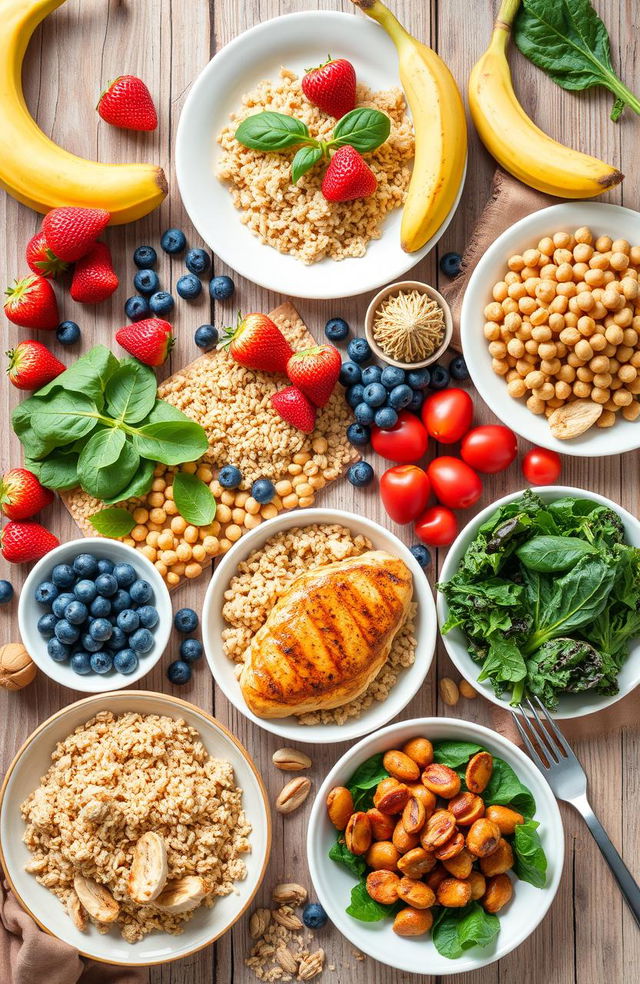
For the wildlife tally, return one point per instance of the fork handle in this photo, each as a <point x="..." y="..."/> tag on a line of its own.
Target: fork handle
<point x="628" y="885"/>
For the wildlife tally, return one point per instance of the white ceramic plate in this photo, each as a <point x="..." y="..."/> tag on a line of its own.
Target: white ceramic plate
<point x="602" y="219"/>
<point x="571" y="705"/>
<point x="409" y="680"/>
<point x="207" y="925"/>
<point x="29" y="611"/>
<point x="297" y="41"/>
<point x="333" y="883"/>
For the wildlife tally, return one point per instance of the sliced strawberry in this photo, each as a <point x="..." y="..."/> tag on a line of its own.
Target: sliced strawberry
<point x="72" y="231"/>
<point x="295" y="408"/>
<point x="32" y="365"/>
<point x="94" y="278"/>
<point x="331" y="87"/>
<point x="22" y="543"/>
<point x="149" y="340"/>
<point x="127" y="103"/>
<point x="22" y="495"/>
<point x="348" y="177"/>
<point x="32" y="303"/>
<point x="315" y="371"/>
<point x="41" y="258"/>
<point x="257" y="343"/>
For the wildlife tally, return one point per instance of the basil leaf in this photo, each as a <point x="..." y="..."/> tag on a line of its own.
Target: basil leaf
<point x="88" y="375"/>
<point x="550" y="554"/>
<point x="114" y="523"/>
<point x="505" y="789"/>
<point x="131" y="392"/>
<point x="194" y="499"/>
<point x="366" y="909"/>
<point x="454" y="753"/>
<point x="58" y="471"/>
<point x="64" y="417"/>
<point x="530" y="859"/>
<point x="139" y="485"/>
<point x="341" y="854"/>
<point x="107" y="463"/>
<point x="171" y="442"/>
<point x="365" y="129"/>
<point x="304" y="160"/>
<point x="457" y="930"/>
<point x="271" y="131"/>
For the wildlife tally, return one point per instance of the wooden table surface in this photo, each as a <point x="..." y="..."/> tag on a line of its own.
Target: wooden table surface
<point x="588" y="936"/>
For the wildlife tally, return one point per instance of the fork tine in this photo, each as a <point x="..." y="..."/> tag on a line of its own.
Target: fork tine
<point x="543" y="736"/>
<point x="530" y="748"/>
<point x="556" y="730"/>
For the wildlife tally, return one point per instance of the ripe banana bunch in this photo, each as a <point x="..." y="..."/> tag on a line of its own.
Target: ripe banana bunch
<point x="440" y="131"/>
<point x="37" y="171"/>
<point x="512" y="137"/>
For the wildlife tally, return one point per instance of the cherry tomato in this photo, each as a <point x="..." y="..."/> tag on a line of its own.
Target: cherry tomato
<point x="447" y="415"/>
<point x="437" y="527"/>
<point x="490" y="448"/>
<point x="405" y="491"/>
<point x="405" y="443"/>
<point x="541" y="467"/>
<point x="454" y="484"/>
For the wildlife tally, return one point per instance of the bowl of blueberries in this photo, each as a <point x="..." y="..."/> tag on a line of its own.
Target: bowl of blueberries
<point x="95" y="615"/>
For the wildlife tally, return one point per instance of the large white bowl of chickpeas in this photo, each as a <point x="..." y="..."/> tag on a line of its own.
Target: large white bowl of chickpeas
<point x="550" y="328"/>
<point x="420" y="863"/>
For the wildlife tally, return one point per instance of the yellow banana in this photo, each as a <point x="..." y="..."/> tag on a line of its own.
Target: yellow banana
<point x="37" y="171"/>
<point x="512" y="137"/>
<point x="440" y="131"/>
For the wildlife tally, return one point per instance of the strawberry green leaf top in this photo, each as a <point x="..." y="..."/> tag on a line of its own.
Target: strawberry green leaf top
<point x="331" y="86"/>
<point x="31" y="303"/>
<point x="315" y="371"/>
<point x="257" y="343"/>
<point x="126" y="103"/>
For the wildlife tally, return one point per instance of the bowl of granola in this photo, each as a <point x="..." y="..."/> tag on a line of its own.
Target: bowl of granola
<point x="147" y="835"/>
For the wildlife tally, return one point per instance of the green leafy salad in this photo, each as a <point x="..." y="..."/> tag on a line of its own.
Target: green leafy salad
<point x="548" y="598"/>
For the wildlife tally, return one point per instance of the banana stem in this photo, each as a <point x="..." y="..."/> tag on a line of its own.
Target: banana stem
<point x="504" y="23"/>
<point x="378" y="12"/>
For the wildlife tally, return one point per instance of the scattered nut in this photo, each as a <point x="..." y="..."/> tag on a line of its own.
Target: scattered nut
<point x="288" y="892"/>
<point x="286" y="959"/>
<point x="467" y="690"/>
<point x="291" y="760"/>
<point x="259" y="923"/>
<point x="449" y="691"/>
<point x="17" y="669"/>
<point x="286" y="917"/>
<point x="293" y="795"/>
<point x="574" y="419"/>
<point x="311" y="966"/>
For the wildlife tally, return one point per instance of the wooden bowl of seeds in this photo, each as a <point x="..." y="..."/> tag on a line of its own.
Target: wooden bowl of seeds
<point x="408" y="324"/>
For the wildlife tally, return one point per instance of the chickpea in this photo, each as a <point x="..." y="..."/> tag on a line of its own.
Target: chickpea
<point x="466" y="808"/>
<point x="479" y="771"/>
<point x="516" y="388"/>
<point x="494" y="312"/>
<point x="414" y="816"/>
<point x="545" y="392"/>
<point x="516" y="348"/>
<point x="509" y="306"/>
<point x="453" y="847"/>
<point x="382" y="825"/>
<point x="516" y="289"/>
<point x="454" y="893"/>
<point x="581" y="390"/>
<point x="491" y="333"/>
<point x="420" y="750"/>
<point x="550" y="366"/>
<point x="357" y="833"/>
<point x="440" y="827"/>
<point x="585" y="374"/>
<point x="562" y="390"/>
<point x="412" y="922"/>
<point x="498" y="892"/>
<point x="417" y="862"/>
<point x="535" y="405"/>
<point x="582" y="252"/>
<point x="483" y="837"/>
<point x="630" y="337"/>
<point x="461" y="865"/>
<point x="627" y="373"/>
<point x="500" y="861"/>
<point x="539" y="317"/>
<point x="506" y="819"/>
<point x="441" y="780"/>
<point x="478" y="885"/>
<point x="619" y="261"/>
<point x="547" y="350"/>
<point x="527" y="305"/>
<point x="426" y="797"/>
<point x="402" y="840"/>
<point x="497" y="350"/>
<point x="139" y="533"/>
<point x="567" y="374"/>
<point x="559" y="304"/>
<point x="390" y="796"/>
<point x="546" y="291"/>
<point x="400" y="766"/>
<point x="382" y="886"/>
<point x="534" y="380"/>
<point x="594" y="277"/>
<point x="622" y="398"/>
<point x="631" y="411"/>
<point x="233" y="532"/>
<point x="598" y="342"/>
<point x="383" y="856"/>
<point x="415" y="893"/>
<point x="634" y="255"/>
<point x="556" y="323"/>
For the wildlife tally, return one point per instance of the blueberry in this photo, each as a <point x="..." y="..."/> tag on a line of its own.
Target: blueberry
<point x="336" y="329"/>
<point x="146" y="282"/>
<point x="350" y="373"/>
<point x="360" y="474"/>
<point x="6" y="592"/>
<point x="120" y="601"/>
<point x="46" y="625"/>
<point x="191" y="650"/>
<point x="106" y="585"/>
<point x="141" y="592"/>
<point x="125" y="575"/>
<point x="76" y="612"/>
<point x="400" y="396"/>
<point x="68" y="333"/>
<point x="173" y="241"/>
<point x="46" y="593"/>
<point x="63" y="576"/>
<point x="358" y="435"/>
<point x="136" y="307"/>
<point x="125" y="661"/>
<point x="359" y="350"/>
<point x="386" y="418"/>
<point x="105" y="566"/>
<point x="128" y="621"/>
<point x="221" y="288"/>
<point x="179" y="672"/>
<point x="141" y="641"/>
<point x="149" y="617"/>
<point x="100" y="607"/>
<point x="60" y="603"/>
<point x="417" y="399"/>
<point x="90" y="644"/>
<point x="197" y="261"/>
<point x="458" y="368"/>
<point x="206" y="337"/>
<point x="118" y="640"/>
<point x="392" y="376"/>
<point x="314" y="916"/>
<point x="363" y="413"/>
<point x="421" y="554"/>
<point x="230" y="477"/>
<point x="418" y="379"/>
<point x="161" y="303"/>
<point x="101" y="662"/>
<point x="189" y="287"/>
<point x="144" y="257"/>
<point x="100" y="629"/>
<point x="439" y="377"/>
<point x="263" y="490"/>
<point x="57" y="650"/>
<point x="354" y="395"/>
<point x="450" y="264"/>
<point x="375" y="394"/>
<point x="86" y="565"/>
<point x="81" y="662"/>
<point x="86" y="590"/>
<point x="371" y="374"/>
<point x="186" y="620"/>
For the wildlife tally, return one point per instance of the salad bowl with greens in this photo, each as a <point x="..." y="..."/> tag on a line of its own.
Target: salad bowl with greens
<point x="540" y="595"/>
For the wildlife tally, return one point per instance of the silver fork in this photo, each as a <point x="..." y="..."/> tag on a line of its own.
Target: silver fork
<point x="568" y="781"/>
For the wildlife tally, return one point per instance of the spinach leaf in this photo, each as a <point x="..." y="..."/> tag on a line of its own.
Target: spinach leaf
<point x="341" y="854"/>
<point x="454" y="753"/>
<point x="505" y="789"/>
<point x="364" y="780"/>
<point x="504" y="661"/>
<point x="573" y="600"/>
<point x="131" y="392"/>
<point x="114" y="523"/>
<point x="366" y="909"/>
<point x="271" y="131"/>
<point x="548" y="554"/>
<point x="162" y="411"/>
<point x="64" y="417"/>
<point x="139" y="485"/>
<point x="194" y="499"/>
<point x="587" y="519"/>
<point x="457" y="930"/>
<point x="34" y="446"/>
<point x="530" y="859"/>
<point x="107" y="463"/>
<point x="172" y="441"/>
<point x="89" y="375"/>
<point x="570" y="666"/>
<point x="304" y="160"/>
<point x="567" y="39"/>
<point x="58" y="470"/>
<point x="362" y="128"/>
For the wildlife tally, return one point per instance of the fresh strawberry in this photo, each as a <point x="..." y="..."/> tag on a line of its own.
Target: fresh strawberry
<point x="257" y="343"/>
<point x="149" y="340"/>
<point x="22" y="543"/>
<point x="94" y="278"/>
<point x="71" y="231"/>
<point x="127" y="103"/>
<point x="331" y="86"/>
<point x="22" y="495"/>
<point x="295" y="408"/>
<point x="348" y="176"/>
<point x="32" y="365"/>
<point x="315" y="371"/>
<point x="41" y="258"/>
<point x="32" y="303"/>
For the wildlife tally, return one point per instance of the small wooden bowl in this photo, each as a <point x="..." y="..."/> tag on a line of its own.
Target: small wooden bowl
<point x="408" y="285"/>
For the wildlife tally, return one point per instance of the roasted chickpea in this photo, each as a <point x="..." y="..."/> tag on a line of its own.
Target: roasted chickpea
<point x="412" y="922"/>
<point x="382" y="825"/>
<point x="400" y="766"/>
<point x="453" y="847"/>
<point x="498" y="862"/>
<point x="461" y="865"/>
<point x="414" y="816"/>
<point x="426" y="797"/>
<point x="402" y="840"/>
<point x="454" y="893"/>
<point x="498" y="892"/>
<point x="478" y="885"/>
<point x="505" y="819"/>
<point x="441" y="780"/>
<point x="440" y="827"/>
<point x="357" y="834"/>
<point x="417" y="862"/>
<point x="382" y="886"/>
<point x="420" y="750"/>
<point x="383" y="855"/>
<point x="436" y="877"/>
<point x="339" y="806"/>
<point x="416" y="893"/>
<point x="390" y="796"/>
<point x="478" y="771"/>
<point x="483" y="838"/>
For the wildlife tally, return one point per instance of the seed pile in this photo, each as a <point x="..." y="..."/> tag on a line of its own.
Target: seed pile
<point x="409" y="326"/>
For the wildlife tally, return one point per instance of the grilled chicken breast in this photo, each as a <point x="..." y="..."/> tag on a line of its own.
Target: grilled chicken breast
<point x="328" y="636"/>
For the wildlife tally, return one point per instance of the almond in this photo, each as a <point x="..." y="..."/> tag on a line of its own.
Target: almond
<point x="293" y="795"/>
<point x="574" y="419"/>
<point x="449" y="691"/>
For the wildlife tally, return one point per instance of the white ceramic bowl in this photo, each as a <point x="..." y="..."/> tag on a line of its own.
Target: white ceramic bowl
<point x="409" y="680"/>
<point x="571" y="705"/>
<point x="297" y="41"/>
<point x="207" y="925"/>
<point x="602" y="219"/>
<point x="29" y="611"/>
<point x="333" y="883"/>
